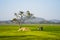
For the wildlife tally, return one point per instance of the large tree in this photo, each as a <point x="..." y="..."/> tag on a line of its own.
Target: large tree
<point x="21" y="17"/>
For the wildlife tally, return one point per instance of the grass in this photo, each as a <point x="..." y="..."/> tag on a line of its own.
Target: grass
<point x="50" y="32"/>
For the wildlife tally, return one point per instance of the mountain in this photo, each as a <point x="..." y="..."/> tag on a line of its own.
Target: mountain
<point x="5" y="22"/>
<point x="55" y="20"/>
<point x="33" y="21"/>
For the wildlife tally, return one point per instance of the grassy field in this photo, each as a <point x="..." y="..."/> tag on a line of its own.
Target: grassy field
<point x="50" y="32"/>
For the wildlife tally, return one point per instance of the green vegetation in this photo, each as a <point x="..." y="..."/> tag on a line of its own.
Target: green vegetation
<point x="50" y="32"/>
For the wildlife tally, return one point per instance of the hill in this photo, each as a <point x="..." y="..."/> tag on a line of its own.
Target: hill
<point x="34" y="21"/>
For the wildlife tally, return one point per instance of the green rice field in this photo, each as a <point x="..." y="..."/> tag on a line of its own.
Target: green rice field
<point x="50" y="32"/>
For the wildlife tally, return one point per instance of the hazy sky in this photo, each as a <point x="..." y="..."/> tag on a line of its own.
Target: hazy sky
<point x="48" y="9"/>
